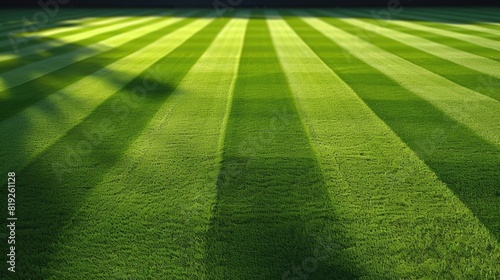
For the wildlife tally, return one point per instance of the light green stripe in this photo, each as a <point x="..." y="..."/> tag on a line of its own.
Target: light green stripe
<point x="82" y="97"/>
<point x="476" y="111"/>
<point x="181" y="141"/>
<point x="355" y="147"/>
<point x="469" y="60"/>
<point x="37" y="69"/>
<point x="75" y="38"/>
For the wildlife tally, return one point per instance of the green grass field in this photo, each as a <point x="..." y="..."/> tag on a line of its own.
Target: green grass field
<point x="261" y="144"/>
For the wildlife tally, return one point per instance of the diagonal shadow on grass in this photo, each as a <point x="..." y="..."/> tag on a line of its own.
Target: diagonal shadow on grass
<point x="19" y="20"/>
<point x="35" y="92"/>
<point x="84" y="154"/>
<point x="26" y="94"/>
<point x="274" y="220"/>
<point x="273" y="207"/>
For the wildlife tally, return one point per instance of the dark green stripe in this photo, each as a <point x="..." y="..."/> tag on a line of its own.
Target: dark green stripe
<point x="272" y="201"/>
<point x="465" y="162"/>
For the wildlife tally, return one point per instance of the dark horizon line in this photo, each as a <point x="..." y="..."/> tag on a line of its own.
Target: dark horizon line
<point x="247" y="3"/>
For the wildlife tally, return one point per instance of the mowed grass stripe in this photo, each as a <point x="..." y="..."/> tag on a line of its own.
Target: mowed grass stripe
<point x="42" y="67"/>
<point x="71" y="39"/>
<point x="97" y="41"/>
<point x="24" y="42"/>
<point x="108" y="132"/>
<point x="31" y="38"/>
<point x="37" y="130"/>
<point x="476" y="111"/>
<point x="177" y="153"/>
<point x="18" y="21"/>
<point x="17" y="98"/>
<point x="97" y="19"/>
<point x="458" y="74"/>
<point x="440" y="22"/>
<point x="410" y="27"/>
<point x="464" y="161"/>
<point x="475" y="62"/>
<point x="358" y="153"/>
<point x="480" y="17"/>
<point x="467" y="45"/>
<point x="464" y="40"/>
<point x="12" y="31"/>
<point x="465" y="20"/>
<point x="271" y="198"/>
<point x="57" y="24"/>
<point x="473" y="15"/>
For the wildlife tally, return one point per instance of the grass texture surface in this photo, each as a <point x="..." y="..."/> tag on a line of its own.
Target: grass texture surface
<point x="260" y="144"/>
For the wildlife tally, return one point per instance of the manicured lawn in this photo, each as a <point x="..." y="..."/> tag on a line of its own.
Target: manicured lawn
<point x="262" y="144"/>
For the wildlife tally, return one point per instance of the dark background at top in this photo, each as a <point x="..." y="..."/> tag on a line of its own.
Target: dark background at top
<point x="249" y="3"/>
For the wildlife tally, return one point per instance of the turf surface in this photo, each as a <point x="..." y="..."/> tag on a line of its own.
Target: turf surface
<point x="277" y="144"/>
